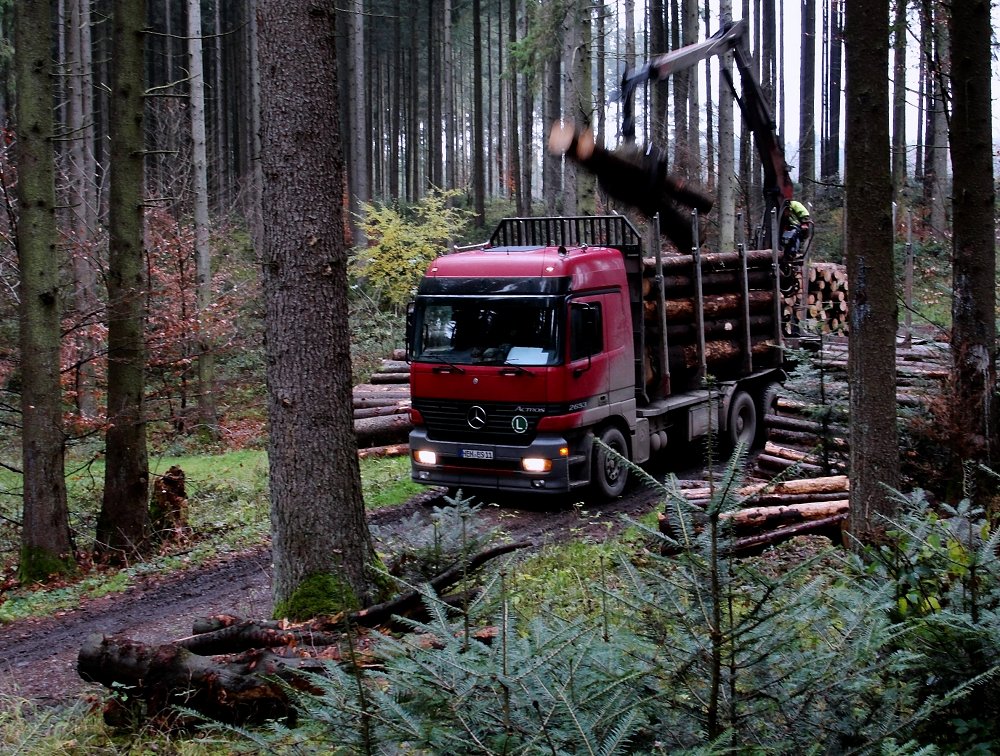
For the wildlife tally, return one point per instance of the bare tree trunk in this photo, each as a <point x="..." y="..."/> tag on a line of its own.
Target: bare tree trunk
<point x="478" y="146"/>
<point x="691" y="26"/>
<point x="659" y="90"/>
<point x="320" y="541"/>
<point x="46" y="545"/>
<point x="360" y="191"/>
<point x="833" y="38"/>
<point x="899" y="101"/>
<point x="123" y="522"/>
<point x="727" y="136"/>
<point x="207" y="415"/>
<point x="807" y="112"/>
<point x="551" y="169"/>
<point x="973" y="312"/>
<point x="448" y="102"/>
<point x="939" y="154"/>
<point x="871" y="364"/>
<point x="527" y="128"/>
<point x="570" y="98"/>
<point x="83" y="203"/>
<point x="512" y="124"/>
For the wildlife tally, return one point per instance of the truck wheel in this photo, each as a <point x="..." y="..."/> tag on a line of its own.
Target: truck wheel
<point x="768" y="406"/>
<point x="610" y="473"/>
<point x="742" y="420"/>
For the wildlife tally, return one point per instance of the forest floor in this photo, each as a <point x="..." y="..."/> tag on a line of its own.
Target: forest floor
<point x="38" y="656"/>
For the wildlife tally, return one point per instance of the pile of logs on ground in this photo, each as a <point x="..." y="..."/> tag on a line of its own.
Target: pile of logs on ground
<point x="814" y="439"/>
<point x="240" y="671"/>
<point x="821" y="302"/>
<point x="771" y="512"/>
<point x="382" y="410"/>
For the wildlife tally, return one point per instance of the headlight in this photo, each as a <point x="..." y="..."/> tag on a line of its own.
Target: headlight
<point x="536" y="464"/>
<point x="425" y="457"/>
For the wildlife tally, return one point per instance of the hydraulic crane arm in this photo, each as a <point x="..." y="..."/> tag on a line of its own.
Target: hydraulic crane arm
<point x="753" y="105"/>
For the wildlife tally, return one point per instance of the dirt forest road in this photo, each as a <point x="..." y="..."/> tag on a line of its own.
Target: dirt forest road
<point x="38" y="657"/>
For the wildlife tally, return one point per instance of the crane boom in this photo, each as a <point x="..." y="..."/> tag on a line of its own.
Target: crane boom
<point x="777" y="187"/>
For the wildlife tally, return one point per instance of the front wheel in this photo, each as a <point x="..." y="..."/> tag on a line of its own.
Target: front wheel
<point x="610" y="471"/>
<point x="742" y="420"/>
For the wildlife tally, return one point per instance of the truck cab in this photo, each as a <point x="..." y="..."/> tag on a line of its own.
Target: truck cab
<point x="518" y="352"/>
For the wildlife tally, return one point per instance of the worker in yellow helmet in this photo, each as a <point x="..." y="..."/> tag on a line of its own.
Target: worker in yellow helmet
<point x="797" y="228"/>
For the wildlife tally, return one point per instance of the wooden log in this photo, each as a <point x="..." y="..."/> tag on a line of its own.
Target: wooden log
<point x="800" y="486"/>
<point x="394" y="366"/>
<point x="804" y="426"/>
<point x="770" y="462"/>
<point x="381" y="378"/>
<point x="389" y="450"/>
<point x="715" y="328"/>
<point x="720" y="281"/>
<point x="238" y="691"/>
<point x="758" y="519"/>
<point x="717" y="352"/>
<point x="714" y="306"/>
<point x="380" y="431"/>
<point x="396" y="408"/>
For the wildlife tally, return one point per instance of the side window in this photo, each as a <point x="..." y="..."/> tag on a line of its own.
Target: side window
<point x="586" y="330"/>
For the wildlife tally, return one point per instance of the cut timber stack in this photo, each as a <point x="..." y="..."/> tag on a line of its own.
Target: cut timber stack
<point x="826" y="298"/>
<point x="729" y="297"/>
<point x="813" y="439"/>
<point x="382" y="411"/>
<point x="771" y="512"/>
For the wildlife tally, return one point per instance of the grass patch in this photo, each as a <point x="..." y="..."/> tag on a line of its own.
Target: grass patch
<point x="228" y="511"/>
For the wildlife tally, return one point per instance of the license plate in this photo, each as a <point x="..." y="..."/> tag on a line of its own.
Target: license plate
<point x="476" y="454"/>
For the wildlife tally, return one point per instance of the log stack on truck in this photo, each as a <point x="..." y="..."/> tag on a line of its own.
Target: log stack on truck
<point x="562" y="331"/>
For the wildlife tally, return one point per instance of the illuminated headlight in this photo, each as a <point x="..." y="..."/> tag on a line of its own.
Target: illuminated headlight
<point x="536" y="464"/>
<point x="425" y="457"/>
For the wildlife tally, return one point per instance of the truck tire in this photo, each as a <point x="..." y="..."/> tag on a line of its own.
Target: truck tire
<point x="767" y="406"/>
<point x="742" y="426"/>
<point x="610" y="474"/>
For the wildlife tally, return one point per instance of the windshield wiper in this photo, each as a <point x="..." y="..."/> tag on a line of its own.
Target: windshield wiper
<point x="437" y="358"/>
<point x="510" y="367"/>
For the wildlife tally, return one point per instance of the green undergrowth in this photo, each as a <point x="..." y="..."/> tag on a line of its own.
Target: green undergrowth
<point x="228" y="510"/>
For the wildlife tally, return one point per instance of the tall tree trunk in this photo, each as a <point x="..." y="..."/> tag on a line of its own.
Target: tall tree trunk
<point x="570" y="36"/>
<point x="123" y="522"/>
<point x="83" y="202"/>
<point x="939" y="154"/>
<point x="691" y="26"/>
<point x="512" y="125"/>
<point x="807" y="99"/>
<point x="551" y="168"/>
<point x="448" y="100"/>
<point x="207" y="416"/>
<point x="710" y="172"/>
<point x="727" y="136"/>
<point x="46" y="545"/>
<point x="973" y="311"/>
<point x="360" y="192"/>
<point x="871" y="365"/>
<point x="527" y="129"/>
<point x="899" y="101"/>
<point x="478" y="146"/>
<point x="320" y="541"/>
<point x="659" y="90"/>
<point x="834" y="40"/>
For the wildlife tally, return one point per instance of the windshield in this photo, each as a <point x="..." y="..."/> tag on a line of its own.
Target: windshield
<point x="493" y="331"/>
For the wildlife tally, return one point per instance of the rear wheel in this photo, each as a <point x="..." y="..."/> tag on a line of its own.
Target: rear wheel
<point x="610" y="472"/>
<point x="742" y="420"/>
<point x="768" y="406"/>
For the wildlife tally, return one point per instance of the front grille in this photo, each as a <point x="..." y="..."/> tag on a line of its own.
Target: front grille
<point x="448" y="421"/>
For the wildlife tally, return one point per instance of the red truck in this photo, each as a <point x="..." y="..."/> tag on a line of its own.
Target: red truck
<point x="560" y="331"/>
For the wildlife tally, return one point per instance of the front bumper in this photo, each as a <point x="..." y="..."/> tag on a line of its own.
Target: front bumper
<point x="456" y="468"/>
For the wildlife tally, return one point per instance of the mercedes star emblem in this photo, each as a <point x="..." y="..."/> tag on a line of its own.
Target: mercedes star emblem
<point x="476" y="417"/>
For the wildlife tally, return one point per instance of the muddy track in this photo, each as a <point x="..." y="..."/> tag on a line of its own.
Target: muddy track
<point x="38" y="657"/>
